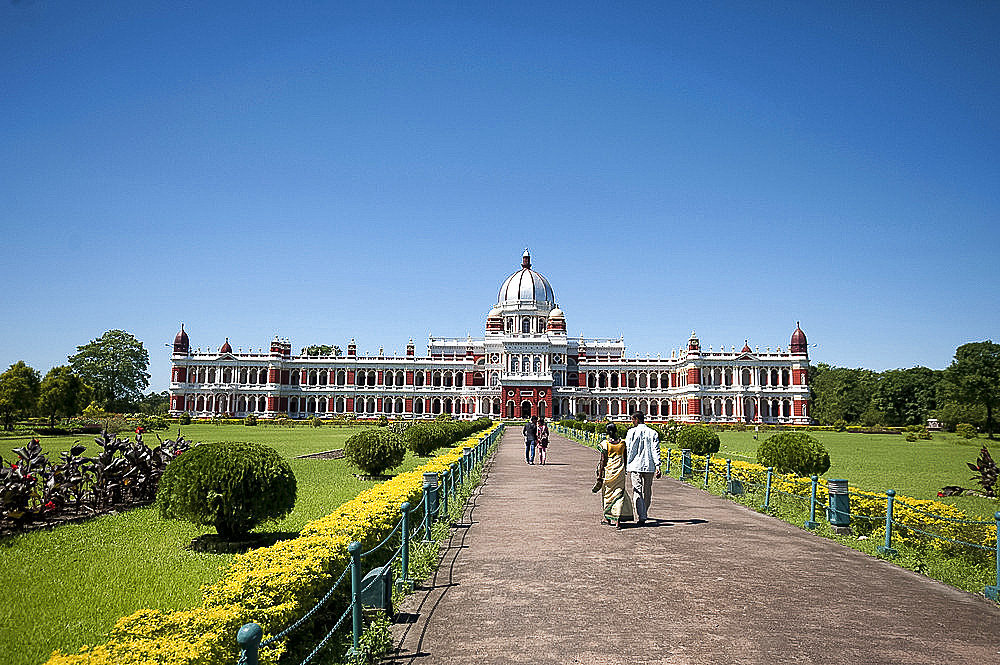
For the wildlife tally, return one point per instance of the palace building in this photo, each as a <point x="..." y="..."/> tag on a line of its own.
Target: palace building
<point x="525" y="364"/>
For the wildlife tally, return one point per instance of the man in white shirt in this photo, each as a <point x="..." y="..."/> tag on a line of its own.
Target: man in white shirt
<point x="642" y="446"/>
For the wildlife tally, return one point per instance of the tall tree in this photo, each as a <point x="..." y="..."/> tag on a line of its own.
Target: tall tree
<point x="114" y="365"/>
<point x="840" y="393"/>
<point x="906" y="396"/>
<point x="973" y="378"/>
<point x="18" y="393"/>
<point x="62" y="393"/>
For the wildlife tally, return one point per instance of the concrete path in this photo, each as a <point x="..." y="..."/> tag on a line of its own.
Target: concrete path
<point x="530" y="576"/>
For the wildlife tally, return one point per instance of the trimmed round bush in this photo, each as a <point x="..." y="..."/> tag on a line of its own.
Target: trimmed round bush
<point x="375" y="451"/>
<point x="699" y="439"/>
<point x="794" y="452"/>
<point x="231" y="486"/>
<point x="424" y="438"/>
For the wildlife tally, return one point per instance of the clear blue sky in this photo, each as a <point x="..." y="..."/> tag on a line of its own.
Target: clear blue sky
<point x="329" y="170"/>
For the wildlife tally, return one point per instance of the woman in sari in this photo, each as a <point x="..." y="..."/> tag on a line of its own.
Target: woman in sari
<point x="617" y="506"/>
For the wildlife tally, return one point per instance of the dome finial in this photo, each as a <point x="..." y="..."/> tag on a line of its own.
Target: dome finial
<point x="526" y="259"/>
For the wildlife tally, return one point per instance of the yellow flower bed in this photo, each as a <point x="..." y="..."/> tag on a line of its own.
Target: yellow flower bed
<point x="909" y="515"/>
<point x="272" y="586"/>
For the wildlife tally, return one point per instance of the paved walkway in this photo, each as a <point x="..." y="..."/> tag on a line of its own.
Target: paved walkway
<point x="530" y="576"/>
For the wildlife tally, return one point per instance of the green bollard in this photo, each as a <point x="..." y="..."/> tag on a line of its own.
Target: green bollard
<point x="890" y="498"/>
<point x="708" y="466"/>
<point x="993" y="592"/>
<point x="811" y="523"/>
<point x="248" y="638"/>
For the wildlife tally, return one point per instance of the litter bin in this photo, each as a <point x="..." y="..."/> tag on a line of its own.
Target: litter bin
<point x="839" y="510"/>
<point x="376" y="588"/>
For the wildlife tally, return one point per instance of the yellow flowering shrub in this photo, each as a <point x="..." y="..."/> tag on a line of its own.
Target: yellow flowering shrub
<point x="910" y="516"/>
<point x="272" y="586"/>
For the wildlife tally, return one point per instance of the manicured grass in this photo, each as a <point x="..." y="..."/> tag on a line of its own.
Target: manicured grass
<point x="68" y="586"/>
<point x="879" y="462"/>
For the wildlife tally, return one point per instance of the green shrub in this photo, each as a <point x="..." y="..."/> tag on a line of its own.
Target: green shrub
<point x="231" y="486"/>
<point x="966" y="431"/>
<point x="185" y="418"/>
<point x="424" y="438"/>
<point x="250" y="420"/>
<point x="315" y="421"/>
<point x="840" y="425"/>
<point x="375" y="451"/>
<point x="794" y="452"/>
<point x="911" y="436"/>
<point x="383" y="420"/>
<point x="699" y="439"/>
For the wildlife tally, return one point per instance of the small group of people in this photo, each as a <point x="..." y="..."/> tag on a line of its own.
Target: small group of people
<point x="627" y="468"/>
<point x="536" y="436"/>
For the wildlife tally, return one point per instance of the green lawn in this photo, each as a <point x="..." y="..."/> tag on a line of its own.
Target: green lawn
<point x="879" y="462"/>
<point x="66" y="587"/>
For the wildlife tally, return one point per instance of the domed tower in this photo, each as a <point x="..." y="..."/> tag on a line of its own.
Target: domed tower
<point x="799" y="346"/>
<point x="524" y="301"/>
<point x="225" y="348"/>
<point x="182" y="344"/>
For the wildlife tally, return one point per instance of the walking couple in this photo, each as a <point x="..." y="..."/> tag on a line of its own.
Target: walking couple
<point x="536" y="435"/>
<point x="628" y="467"/>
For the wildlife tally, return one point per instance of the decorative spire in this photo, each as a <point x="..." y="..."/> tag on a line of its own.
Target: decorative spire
<point x="526" y="259"/>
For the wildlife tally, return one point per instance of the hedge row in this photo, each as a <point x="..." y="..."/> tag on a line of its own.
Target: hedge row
<point x="868" y="508"/>
<point x="272" y="586"/>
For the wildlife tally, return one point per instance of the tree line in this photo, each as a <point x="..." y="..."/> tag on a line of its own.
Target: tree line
<point x="967" y="391"/>
<point x="108" y="373"/>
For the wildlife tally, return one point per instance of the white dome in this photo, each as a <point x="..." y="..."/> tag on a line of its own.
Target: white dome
<point x="557" y="314"/>
<point x="526" y="284"/>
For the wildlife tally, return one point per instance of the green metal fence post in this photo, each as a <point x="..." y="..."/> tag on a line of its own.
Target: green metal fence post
<point x="467" y="460"/>
<point x="444" y="491"/>
<point x="993" y="592"/>
<point x="685" y="464"/>
<point x="430" y="493"/>
<point x="708" y="466"/>
<point x="355" y="551"/>
<point x="729" y="472"/>
<point x="404" y="552"/>
<point x="767" y="489"/>
<point x="887" y="549"/>
<point x="667" y="472"/>
<point x="248" y="638"/>
<point x="811" y="523"/>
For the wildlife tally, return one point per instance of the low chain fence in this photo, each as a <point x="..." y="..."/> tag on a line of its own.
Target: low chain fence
<point x="374" y="589"/>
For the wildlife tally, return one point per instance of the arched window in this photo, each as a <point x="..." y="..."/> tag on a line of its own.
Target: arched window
<point x="745" y="377"/>
<point x="526" y="325"/>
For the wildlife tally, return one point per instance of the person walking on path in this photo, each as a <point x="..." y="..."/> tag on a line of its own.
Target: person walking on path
<point x="543" y="439"/>
<point x="530" y="439"/>
<point x="617" y="506"/>
<point x="643" y="463"/>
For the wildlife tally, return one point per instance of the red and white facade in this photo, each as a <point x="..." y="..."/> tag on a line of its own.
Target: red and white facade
<point x="526" y="364"/>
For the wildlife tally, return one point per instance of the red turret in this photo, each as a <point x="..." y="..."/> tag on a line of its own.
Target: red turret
<point x="799" y="346"/>
<point x="181" y="342"/>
